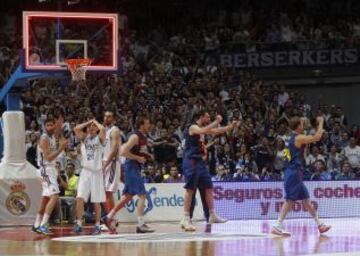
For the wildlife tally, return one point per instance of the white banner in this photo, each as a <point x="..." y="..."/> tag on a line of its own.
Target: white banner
<point x="263" y="200"/>
<point x="165" y="202"/>
<point x="19" y="200"/>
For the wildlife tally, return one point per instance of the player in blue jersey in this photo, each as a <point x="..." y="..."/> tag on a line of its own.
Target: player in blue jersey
<point x="136" y="153"/>
<point x="194" y="167"/>
<point x="294" y="165"/>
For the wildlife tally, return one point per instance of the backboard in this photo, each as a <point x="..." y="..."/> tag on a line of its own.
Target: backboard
<point x="51" y="37"/>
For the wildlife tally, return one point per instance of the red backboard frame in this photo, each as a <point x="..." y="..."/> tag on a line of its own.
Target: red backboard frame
<point x="113" y="17"/>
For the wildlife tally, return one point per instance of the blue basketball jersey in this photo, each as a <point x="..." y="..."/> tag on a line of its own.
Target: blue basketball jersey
<point x="194" y="146"/>
<point x="294" y="157"/>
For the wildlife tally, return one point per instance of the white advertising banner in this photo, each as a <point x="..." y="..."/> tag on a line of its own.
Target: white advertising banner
<point x="263" y="200"/>
<point x="165" y="202"/>
<point x="19" y="201"/>
<point x="20" y="185"/>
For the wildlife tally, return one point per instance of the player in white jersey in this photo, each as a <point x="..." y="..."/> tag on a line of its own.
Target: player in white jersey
<point x="48" y="151"/>
<point x="91" y="182"/>
<point x="111" y="160"/>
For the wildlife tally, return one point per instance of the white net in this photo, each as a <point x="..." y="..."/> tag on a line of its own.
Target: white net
<point x="79" y="73"/>
<point x="78" y="68"/>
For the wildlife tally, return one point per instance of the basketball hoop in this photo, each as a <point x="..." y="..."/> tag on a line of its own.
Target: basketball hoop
<point x="78" y="68"/>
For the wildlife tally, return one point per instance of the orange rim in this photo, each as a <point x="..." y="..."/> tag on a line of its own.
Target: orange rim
<point x="74" y="63"/>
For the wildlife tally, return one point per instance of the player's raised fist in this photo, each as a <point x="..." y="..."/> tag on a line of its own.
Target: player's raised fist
<point x="319" y="119"/>
<point x="141" y="159"/>
<point x="235" y="124"/>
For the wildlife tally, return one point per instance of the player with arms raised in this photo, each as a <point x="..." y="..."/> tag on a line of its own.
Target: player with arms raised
<point x="294" y="165"/>
<point x="91" y="182"/>
<point x="194" y="167"/>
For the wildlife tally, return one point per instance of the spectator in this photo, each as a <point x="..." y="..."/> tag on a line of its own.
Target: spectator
<point x="335" y="134"/>
<point x="220" y="173"/>
<point x="31" y="150"/>
<point x="355" y="132"/>
<point x="247" y="161"/>
<point x="72" y="180"/>
<point x="228" y="174"/>
<point x="263" y="153"/>
<point x="279" y="159"/>
<point x="249" y="175"/>
<point x="314" y="156"/>
<point x="339" y="117"/>
<point x="283" y="97"/>
<point x="334" y="160"/>
<point x="62" y="179"/>
<point x="352" y="153"/>
<point x="175" y="176"/>
<point x="320" y="172"/>
<point x="165" y="147"/>
<point x="267" y="174"/>
<point x="346" y="172"/>
<point x="344" y="141"/>
<point x="152" y="176"/>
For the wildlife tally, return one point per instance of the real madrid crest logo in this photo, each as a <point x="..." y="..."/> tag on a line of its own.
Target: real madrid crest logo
<point x="18" y="202"/>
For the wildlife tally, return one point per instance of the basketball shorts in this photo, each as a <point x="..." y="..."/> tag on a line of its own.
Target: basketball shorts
<point x="50" y="185"/>
<point x="196" y="174"/>
<point x="112" y="177"/>
<point x="134" y="182"/>
<point x="294" y="186"/>
<point x="91" y="185"/>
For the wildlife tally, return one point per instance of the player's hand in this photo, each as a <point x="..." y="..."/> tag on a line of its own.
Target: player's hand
<point x="141" y="160"/>
<point x="105" y="165"/>
<point x="219" y="119"/>
<point x="92" y="121"/>
<point x="63" y="143"/>
<point x="319" y="119"/>
<point x="235" y="124"/>
<point x="151" y="157"/>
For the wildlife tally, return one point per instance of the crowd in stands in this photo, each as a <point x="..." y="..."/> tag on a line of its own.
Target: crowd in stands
<point x="253" y="152"/>
<point x="167" y="76"/>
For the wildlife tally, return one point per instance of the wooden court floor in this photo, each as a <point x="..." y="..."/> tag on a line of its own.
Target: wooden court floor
<point x="233" y="238"/>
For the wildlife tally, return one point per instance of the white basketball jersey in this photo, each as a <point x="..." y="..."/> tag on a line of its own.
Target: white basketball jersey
<point x="91" y="153"/>
<point x="53" y="147"/>
<point x="107" y="147"/>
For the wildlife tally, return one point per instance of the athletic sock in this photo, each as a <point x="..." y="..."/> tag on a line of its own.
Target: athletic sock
<point x="186" y="216"/>
<point x="111" y="214"/>
<point x="79" y="223"/>
<point x="317" y="220"/>
<point x="279" y="222"/>
<point x="38" y="220"/>
<point x="45" y="219"/>
<point x="140" y="220"/>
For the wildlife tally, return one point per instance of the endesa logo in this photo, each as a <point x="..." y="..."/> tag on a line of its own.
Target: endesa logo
<point x="156" y="201"/>
<point x="240" y="195"/>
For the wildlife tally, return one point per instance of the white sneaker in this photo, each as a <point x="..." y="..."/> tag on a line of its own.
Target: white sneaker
<point x="216" y="219"/>
<point x="187" y="225"/>
<point x="323" y="228"/>
<point x="103" y="227"/>
<point x="279" y="231"/>
<point x="144" y="229"/>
